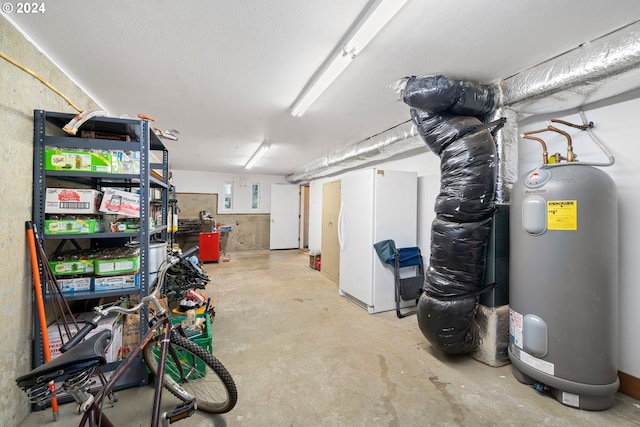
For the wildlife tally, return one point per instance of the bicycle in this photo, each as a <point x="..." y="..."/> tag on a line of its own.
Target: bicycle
<point x="189" y="371"/>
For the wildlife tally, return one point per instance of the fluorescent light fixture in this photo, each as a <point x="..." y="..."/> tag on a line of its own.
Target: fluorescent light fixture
<point x="324" y="80"/>
<point x="364" y="33"/>
<point x="262" y="149"/>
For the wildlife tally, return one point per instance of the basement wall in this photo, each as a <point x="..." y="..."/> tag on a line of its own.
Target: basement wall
<point x="20" y="94"/>
<point x="250" y="227"/>
<point x="186" y="181"/>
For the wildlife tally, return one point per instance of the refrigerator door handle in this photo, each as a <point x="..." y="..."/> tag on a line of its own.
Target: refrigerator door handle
<point x="340" y="227"/>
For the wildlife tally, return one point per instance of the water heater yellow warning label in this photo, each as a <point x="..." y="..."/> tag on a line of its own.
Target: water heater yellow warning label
<point x="562" y="215"/>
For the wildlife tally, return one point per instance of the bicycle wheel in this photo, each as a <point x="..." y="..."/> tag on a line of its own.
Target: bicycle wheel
<point x="193" y="372"/>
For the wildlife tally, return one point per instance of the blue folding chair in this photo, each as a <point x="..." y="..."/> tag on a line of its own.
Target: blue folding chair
<point x="404" y="261"/>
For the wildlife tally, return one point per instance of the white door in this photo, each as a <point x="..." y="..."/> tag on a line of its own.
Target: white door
<point x="355" y="234"/>
<point x="285" y="216"/>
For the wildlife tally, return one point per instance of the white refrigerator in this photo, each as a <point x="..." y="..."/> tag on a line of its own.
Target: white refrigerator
<point x="376" y="204"/>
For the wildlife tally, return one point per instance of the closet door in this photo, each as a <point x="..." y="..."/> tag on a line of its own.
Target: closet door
<point x="285" y="216"/>
<point x="330" y="250"/>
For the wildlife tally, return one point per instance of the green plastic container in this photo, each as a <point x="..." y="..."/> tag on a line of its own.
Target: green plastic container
<point x="203" y="341"/>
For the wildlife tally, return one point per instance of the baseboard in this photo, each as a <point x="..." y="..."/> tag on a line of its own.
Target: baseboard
<point x="629" y="385"/>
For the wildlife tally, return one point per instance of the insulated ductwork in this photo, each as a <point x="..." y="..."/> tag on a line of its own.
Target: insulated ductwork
<point x="597" y="70"/>
<point x="447" y="113"/>
<point x="401" y="139"/>
<point x="507" y="153"/>
<point x="605" y="67"/>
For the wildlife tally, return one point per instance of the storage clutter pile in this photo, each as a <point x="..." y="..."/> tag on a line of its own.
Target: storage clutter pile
<point x="115" y="352"/>
<point x="86" y="202"/>
<point x="183" y="281"/>
<point x="71" y="211"/>
<point x="97" y="270"/>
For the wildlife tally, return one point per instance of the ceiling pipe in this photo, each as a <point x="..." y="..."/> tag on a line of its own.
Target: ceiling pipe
<point x="605" y="67"/>
<point x="398" y="140"/>
<point x="602" y="68"/>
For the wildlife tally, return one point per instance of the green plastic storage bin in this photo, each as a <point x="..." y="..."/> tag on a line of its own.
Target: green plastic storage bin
<point x="205" y="341"/>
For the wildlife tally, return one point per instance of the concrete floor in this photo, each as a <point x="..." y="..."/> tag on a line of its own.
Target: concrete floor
<point x="303" y="356"/>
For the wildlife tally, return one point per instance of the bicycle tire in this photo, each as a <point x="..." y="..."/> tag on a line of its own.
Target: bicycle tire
<point x="203" y="375"/>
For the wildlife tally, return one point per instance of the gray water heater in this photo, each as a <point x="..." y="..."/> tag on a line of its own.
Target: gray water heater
<point x="563" y="284"/>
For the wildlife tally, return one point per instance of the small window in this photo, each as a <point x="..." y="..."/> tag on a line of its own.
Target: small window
<point x="228" y="195"/>
<point x="255" y="196"/>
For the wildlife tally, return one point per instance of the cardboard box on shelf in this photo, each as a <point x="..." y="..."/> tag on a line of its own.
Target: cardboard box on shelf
<point x="124" y="226"/>
<point x="72" y="267"/>
<point x="109" y="267"/>
<point x="109" y="283"/>
<point x="72" y="201"/>
<point x="94" y="134"/>
<point x="57" y="159"/>
<point x="77" y="284"/>
<point x="129" y="226"/>
<point x="112" y="323"/>
<point x="130" y="334"/>
<point x="73" y="226"/>
<point x="120" y="203"/>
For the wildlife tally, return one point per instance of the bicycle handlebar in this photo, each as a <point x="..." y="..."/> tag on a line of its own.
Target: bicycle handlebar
<point x="189" y="252"/>
<point x="100" y="312"/>
<point x="88" y="327"/>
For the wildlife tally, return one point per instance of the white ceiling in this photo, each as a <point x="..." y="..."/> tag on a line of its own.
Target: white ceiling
<point x="225" y="73"/>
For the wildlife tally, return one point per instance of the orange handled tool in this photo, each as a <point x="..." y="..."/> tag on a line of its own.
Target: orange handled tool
<point x="40" y="305"/>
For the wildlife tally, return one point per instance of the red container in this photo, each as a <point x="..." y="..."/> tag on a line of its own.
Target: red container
<point x="209" y="247"/>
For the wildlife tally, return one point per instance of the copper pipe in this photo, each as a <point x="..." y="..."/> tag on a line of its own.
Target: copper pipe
<point x="531" y="132"/>
<point x="573" y="125"/>
<point x="570" y="155"/>
<point x="545" y="154"/>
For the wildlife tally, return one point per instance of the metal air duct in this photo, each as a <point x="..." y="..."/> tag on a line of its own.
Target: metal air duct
<point x="594" y="71"/>
<point x="400" y="139"/>
<point x="605" y="67"/>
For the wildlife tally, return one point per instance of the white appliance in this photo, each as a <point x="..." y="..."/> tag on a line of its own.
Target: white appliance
<point x="376" y="204"/>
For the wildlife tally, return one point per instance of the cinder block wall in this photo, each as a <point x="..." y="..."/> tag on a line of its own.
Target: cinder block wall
<point x="20" y="94"/>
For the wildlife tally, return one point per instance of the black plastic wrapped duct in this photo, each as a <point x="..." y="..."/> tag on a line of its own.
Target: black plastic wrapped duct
<point x="456" y="265"/>
<point x="440" y="93"/>
<point x="446" y="112"/>
<point x="467" y="179"/>
<point x="459" y="336"/>
<point x="439" y="130"/>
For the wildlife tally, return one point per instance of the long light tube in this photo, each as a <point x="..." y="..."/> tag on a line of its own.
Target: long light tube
<point x="324" y="80"/>
<point x="257" y="155"/>
<point x="374" y="22"/>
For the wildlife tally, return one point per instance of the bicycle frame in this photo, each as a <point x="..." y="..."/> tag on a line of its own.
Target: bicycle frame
<point x="94" y="413"/>
<point x="161" y="320"/>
